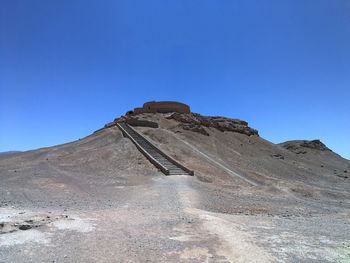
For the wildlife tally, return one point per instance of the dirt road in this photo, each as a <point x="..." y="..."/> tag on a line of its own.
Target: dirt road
<point x="166" y="220"/>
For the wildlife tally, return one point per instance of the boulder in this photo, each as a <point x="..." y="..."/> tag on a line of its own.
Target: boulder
<point x="184" y="118"/>
<point x="195" y="128"/>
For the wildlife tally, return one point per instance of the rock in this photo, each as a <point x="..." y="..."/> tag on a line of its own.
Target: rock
<point x="184" y="118"/>
<point x="195" y="128"/>
<point x="109" y="125"/>
<point x="121" y="119"/>
<point x="300" y="147"/>
<point x="230" y="126"/>
<point x="196" y="121"/>
<point x="277" y="156"/>
<point x="293" y="148"/>
<point x="204" y="179"/>
<point x="24" y="226"/>
<point x="315" y="144"/>
<point x="342" y="176"/>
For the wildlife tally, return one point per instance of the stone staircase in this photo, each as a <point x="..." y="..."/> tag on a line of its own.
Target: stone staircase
<point x="165" y="163"/>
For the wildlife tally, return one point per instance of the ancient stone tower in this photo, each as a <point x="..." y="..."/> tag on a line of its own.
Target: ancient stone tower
<point x="162" y="107"/>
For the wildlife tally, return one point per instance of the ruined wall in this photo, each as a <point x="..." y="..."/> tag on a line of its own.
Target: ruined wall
<point x="162" y="107"/>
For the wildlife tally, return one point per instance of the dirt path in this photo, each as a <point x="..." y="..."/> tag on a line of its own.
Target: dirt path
<point x="163" y="221"/>
<point x="157" y="223"/>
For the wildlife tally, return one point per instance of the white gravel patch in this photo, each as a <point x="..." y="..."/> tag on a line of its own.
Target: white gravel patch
<point x="6" y="214"/>
<point x="21" y="237"/>
<point x="76" y="224"/>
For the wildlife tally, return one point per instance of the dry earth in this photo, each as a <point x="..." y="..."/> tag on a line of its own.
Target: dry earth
<point x="99" y="200"/>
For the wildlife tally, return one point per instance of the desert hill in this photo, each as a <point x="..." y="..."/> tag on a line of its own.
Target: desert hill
<point x="99" y="198"/>
<point x="204" y="143"/>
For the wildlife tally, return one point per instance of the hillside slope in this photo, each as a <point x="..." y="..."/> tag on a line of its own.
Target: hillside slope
<point x="99" y="198"/>
<point x="257" y="161"/>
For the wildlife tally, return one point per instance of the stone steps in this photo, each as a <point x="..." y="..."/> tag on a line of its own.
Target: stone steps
<point x="162" y="161"/>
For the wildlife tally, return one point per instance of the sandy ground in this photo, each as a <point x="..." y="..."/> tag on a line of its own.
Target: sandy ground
<point x="99" y="200"/>
<point x="163" y="221"/>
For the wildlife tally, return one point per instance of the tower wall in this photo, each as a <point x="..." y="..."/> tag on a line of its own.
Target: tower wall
<point x="163" y="107"/>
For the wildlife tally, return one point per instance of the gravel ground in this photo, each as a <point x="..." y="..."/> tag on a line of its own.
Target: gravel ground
<point x="167" y="220"/>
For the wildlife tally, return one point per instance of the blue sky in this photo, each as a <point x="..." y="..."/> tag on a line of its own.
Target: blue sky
<point x="68" y="67"/>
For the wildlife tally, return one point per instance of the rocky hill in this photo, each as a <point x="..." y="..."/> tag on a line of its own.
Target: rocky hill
<point x="191" y="122"/>
<point x="98" y="198"/>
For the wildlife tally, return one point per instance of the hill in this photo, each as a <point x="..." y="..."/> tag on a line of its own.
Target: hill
<point x="99" y="198"/>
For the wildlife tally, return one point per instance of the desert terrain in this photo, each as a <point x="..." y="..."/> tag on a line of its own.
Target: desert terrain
<point x="98" y="199"/>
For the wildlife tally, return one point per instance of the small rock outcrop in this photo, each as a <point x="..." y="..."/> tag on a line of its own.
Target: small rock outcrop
<point x="197" y="122"/>
<point x="300" y="147"/>
<point x="195" y="128"/>
<point x="315" y="144"/>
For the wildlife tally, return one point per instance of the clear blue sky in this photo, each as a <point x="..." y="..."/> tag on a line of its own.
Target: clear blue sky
<point x="68" y="67"/>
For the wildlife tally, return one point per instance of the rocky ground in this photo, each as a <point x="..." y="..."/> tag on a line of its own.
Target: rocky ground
<point x="99" y="200"/>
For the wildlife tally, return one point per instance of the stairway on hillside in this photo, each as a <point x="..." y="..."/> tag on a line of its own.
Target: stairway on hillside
<point x="161" y="160"/>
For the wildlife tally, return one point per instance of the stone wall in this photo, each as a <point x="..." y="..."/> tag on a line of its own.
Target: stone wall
<point x="162" y="107"/>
